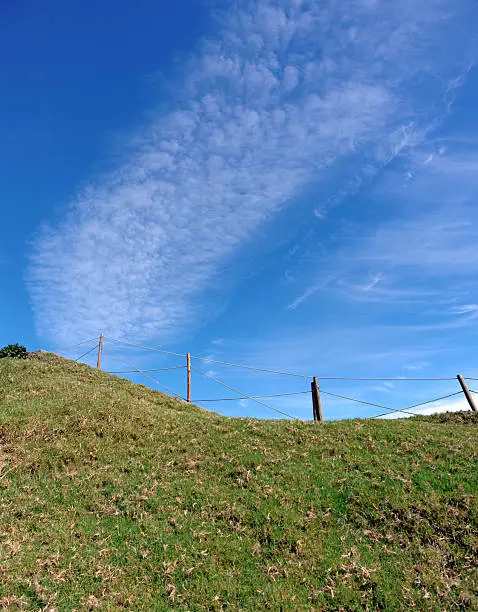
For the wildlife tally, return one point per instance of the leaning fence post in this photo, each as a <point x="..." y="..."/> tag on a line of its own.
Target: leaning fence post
<point x="188" y="361"/>
<point x="100" y="352"/>
<point x="316" y="401"/>
<point x="467" y="393"/>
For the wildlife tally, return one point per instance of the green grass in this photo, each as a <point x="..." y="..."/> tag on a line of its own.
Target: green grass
<point x="113" y="496"/>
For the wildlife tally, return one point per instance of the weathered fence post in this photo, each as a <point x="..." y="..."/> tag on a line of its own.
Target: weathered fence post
<point x="467" y="393"/>
<point x="100" y="352"/>
<point x="316" y="401"/>
<point x="188" y="361"/>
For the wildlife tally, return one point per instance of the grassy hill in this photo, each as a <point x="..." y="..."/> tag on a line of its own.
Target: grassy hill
<point x="113" y="496"/>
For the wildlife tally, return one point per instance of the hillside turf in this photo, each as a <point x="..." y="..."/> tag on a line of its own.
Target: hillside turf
<point x="114" y="496"/>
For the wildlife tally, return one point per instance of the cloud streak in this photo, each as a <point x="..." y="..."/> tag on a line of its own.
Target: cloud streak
<point x="285" y="91"/>
<point x="425" y="252"/>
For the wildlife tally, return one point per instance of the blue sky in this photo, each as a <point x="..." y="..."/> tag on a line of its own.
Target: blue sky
<point x="284" y="183"/>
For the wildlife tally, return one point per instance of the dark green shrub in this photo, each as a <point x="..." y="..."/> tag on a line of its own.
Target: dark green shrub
<point x="14" y="351"/>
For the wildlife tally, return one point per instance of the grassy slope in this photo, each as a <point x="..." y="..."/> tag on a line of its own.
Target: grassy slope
<point x="114" y="496"/>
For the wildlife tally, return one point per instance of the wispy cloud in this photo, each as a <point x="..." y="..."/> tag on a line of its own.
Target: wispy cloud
<point x="417" y="366"/>
<point x="286" y="90"/>
<point x="376" y="278"/>
<point x="466" y="309"/>
<point x="425" y="249"/>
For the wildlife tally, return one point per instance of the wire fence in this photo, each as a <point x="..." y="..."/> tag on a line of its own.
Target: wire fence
<point x="315" y="391"/>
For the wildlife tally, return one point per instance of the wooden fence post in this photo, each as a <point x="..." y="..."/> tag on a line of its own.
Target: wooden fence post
<point x="100" y="352"/>
<point x="316" y="401"/>
<point x="188" y="361"/>
<point x="467" y="393"/>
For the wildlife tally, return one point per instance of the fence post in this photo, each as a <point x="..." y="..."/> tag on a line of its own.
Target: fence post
<point x="100" y="352"/>
<point x="467" y="393"/>
<point x="316" y="401"/>
<point x="188" y="361"/>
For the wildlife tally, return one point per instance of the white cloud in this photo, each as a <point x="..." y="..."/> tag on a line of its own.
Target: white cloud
<point x="466" y="309"/>
<point x="437" y="408"/>
<point x="418" y="366"/>
<point x="376" y="278"/>
<point x="286" y="90"/>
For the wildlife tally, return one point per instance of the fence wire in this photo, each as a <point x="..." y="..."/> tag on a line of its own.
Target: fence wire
<point x="250" y="397"/>
<point x="257" y="398"/>
<point x="167" y="389"/>
<point x="87" y="353"/>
